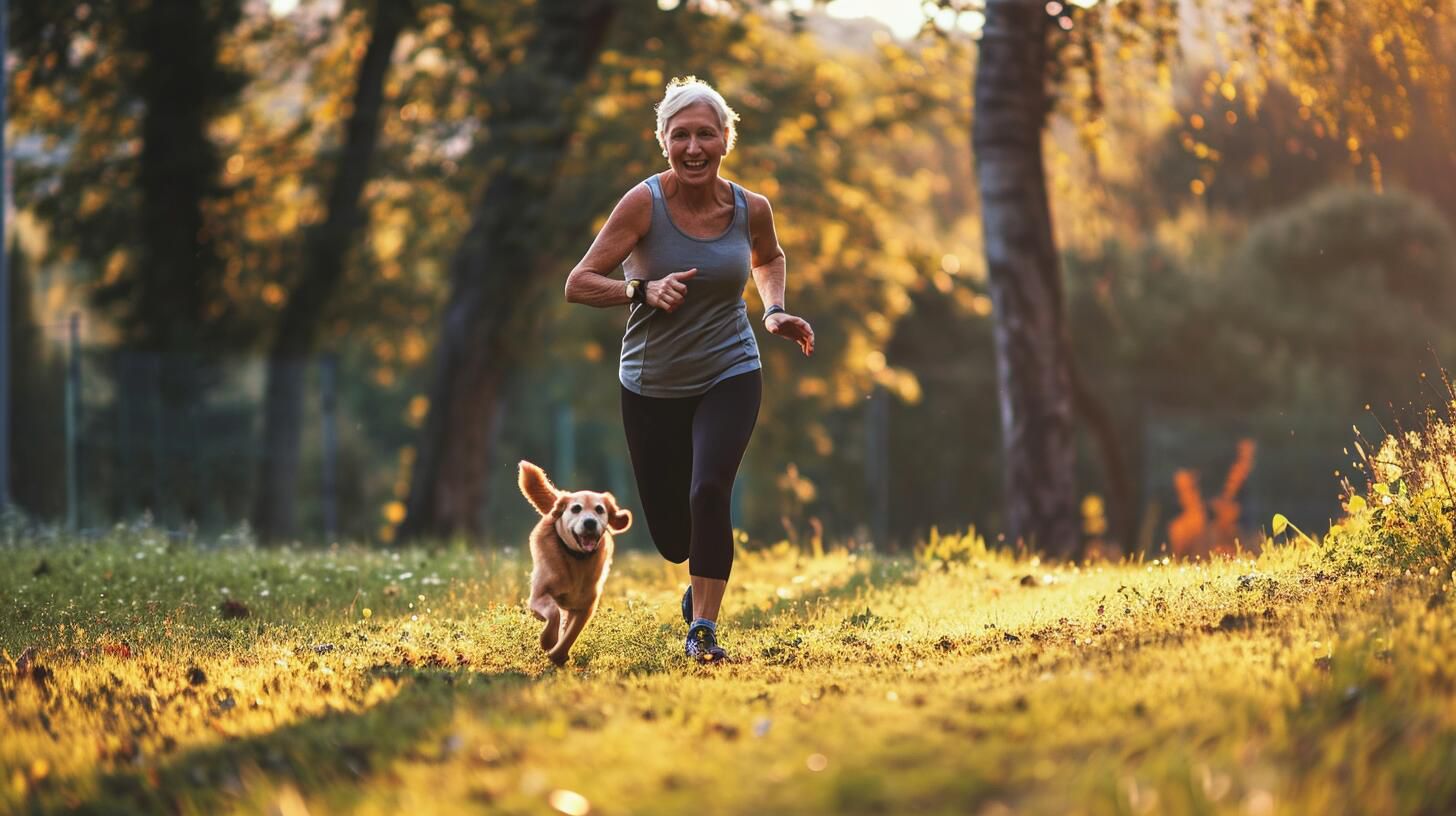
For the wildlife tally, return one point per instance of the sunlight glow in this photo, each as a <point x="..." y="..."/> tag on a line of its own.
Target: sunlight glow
<point x="904" y="17"/>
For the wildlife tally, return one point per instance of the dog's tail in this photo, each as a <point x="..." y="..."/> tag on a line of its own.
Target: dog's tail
<point x="537" y="489"/>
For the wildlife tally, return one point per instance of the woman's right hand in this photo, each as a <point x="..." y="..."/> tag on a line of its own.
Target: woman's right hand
<point x="668" y="292"/>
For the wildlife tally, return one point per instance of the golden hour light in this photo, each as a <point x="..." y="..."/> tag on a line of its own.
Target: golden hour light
<point x="785" y="406"/>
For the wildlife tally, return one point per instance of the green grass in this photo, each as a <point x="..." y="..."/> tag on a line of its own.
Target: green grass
<point x="1306" y="680"/>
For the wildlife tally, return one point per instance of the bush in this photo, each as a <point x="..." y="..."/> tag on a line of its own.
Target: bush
<point x="1403" y="518"/>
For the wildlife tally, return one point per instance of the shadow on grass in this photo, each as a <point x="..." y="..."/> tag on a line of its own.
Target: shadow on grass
<point x="315" y="755"/>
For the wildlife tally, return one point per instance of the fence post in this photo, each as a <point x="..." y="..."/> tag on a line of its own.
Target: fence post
<point x="328" y="404"/>
<point x="877" y="465"/>
<point x="73" y="405"/>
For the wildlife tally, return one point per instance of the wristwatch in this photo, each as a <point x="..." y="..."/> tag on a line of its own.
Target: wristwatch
<point x="636" y="292"/>
<point x="771" y="311"/>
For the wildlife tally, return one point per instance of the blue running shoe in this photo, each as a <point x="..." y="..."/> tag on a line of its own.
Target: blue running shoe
<point x="687" y="606"/>
<point x="702" y="646"/>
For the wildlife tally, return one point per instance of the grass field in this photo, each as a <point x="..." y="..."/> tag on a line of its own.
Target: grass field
<point x="151" y="675"/>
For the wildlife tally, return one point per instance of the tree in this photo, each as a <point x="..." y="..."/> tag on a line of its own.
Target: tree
<point x="490" y="274"/>
<point x="126" y="97"/>
<point x="1034" y="377"/>
<point x="325" y="250"/>
<point x="36" y="442"/>
<point x="1028" y="46"/>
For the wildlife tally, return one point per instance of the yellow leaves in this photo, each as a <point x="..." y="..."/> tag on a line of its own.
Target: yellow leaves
<point x="812" y="387"/>
<point x="116" y="264"/>
<point x="797" y="486"/>
<point x="1280" y="524"/>
<point x="819" y="437"/>
<point x="647" y="77"/>
<point x="1094" y="515"/>
<point x="92" y="200"/>
<point x="394" y="512"/>
<point x="788" y="134"/>
<point x="228" y="127"/>
<point x="417" y="410"/>
<point x="831" y="238"/>
<point x="1356" y="504"/>
<point x="388" y="240"/>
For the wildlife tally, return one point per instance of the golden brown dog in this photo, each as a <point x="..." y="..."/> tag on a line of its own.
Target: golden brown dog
<point x="571" y="552"/>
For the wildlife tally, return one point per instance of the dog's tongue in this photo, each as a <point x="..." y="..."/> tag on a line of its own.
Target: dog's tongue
<point x="587" y="542"/>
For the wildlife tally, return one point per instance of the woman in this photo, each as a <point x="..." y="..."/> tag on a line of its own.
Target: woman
<point x="691" y="383"/>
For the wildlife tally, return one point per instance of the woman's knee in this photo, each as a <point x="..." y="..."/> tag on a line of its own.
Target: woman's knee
<point x="710" y="494"/>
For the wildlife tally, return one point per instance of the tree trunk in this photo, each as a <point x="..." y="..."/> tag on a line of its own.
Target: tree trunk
<point x="490" y="274"/>
<point x="325" y="248"/>
<point x="1032" y="363"/>
<point x="180" y="85"/>
<point x="172" y="305"/>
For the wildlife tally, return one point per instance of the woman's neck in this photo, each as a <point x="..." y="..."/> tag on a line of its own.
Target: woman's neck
<point x="693" y="196"/>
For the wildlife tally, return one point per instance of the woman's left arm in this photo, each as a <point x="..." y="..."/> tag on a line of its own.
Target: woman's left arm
<point x="768" y="275"/>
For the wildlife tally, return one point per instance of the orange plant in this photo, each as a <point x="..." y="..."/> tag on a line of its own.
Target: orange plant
<point x="1191" y="532"/>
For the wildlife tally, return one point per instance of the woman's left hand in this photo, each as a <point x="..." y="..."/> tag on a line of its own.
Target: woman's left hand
<point x="792" y="328"/>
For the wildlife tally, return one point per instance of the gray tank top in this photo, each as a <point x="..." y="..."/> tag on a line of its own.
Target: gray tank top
<point x="709" y="338"/>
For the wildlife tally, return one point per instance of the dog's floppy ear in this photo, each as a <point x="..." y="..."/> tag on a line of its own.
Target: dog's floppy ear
<point x="619" y="520"/>
<point x="538" y="489"/>
<point x="560" y="507"/>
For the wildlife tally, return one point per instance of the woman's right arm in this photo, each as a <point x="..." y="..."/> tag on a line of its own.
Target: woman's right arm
<point x="589" y="282"/>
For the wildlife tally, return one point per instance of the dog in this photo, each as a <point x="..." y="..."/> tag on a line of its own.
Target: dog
<point x="571" y="553"/>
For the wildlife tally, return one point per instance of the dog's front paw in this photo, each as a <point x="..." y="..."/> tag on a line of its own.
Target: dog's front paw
<point x="558" y="657"/>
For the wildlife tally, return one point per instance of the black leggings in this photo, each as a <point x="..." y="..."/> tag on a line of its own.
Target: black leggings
<point x="685" y="453"/>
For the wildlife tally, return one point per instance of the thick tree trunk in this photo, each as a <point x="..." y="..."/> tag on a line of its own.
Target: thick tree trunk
<point x="1032" y="363"/>
<point x="490" y="276"/>
<point x="177" y="171"/>
<point x="172" y="307"/>
<point x="326" y="247"/>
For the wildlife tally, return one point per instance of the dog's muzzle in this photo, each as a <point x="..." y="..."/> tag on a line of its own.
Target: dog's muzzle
<point x="589" y="537"/>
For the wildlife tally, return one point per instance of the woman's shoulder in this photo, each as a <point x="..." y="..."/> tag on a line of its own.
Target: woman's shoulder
<point x="633" y="212"/>
<point x="757" y="202"/>
<point x="759" y="208"/>
<point x="637" y="201"/>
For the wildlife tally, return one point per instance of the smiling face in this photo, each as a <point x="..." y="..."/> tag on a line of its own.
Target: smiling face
<point x="695" y="144"/>
<point x="586" y="517"/>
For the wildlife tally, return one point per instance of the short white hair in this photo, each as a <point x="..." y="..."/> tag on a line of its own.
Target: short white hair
<point x="683" y="92"/>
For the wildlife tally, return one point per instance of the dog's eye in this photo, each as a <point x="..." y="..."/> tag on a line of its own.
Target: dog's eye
<point x="601" y="511"/>
<point x="576" y="508"/>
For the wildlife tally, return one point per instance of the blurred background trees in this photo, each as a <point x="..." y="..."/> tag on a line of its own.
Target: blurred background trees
<point x="1254" y="264"/>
